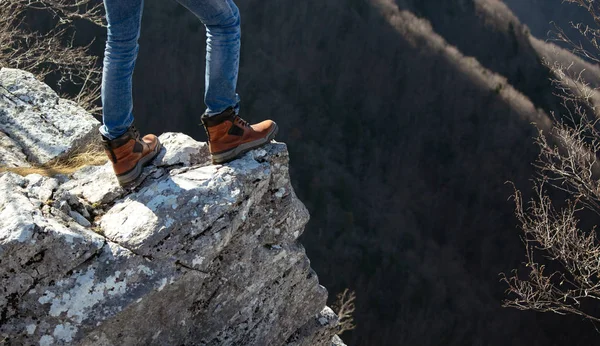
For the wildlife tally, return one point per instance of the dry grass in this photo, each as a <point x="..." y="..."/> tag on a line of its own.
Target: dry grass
<point x="89" y="155"/>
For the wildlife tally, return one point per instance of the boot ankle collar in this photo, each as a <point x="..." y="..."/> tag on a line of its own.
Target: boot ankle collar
<point x="217" y="119"/>
<point x="131" y="133"/>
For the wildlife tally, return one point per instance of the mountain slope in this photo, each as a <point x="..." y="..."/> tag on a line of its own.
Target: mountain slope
<point x="541" y="15"/>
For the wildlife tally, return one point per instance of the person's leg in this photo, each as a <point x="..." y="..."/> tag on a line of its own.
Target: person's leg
<point x="124" y="21"/>
<point x="223" y="35"/>
<point x="122" y="143"/>
<point x="229" y="136"/>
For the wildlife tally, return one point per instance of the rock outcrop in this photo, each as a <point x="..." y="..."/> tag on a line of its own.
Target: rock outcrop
<point x="192" y="254"/>
<point x="36" y="123"/>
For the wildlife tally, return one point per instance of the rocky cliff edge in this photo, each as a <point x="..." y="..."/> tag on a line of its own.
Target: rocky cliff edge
<point x="192" y="254"/>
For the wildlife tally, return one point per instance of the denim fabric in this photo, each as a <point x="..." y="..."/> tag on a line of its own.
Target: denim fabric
<point x="222" y="21"/>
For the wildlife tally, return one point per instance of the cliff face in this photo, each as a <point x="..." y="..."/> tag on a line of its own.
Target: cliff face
<point x="194" y="254"/>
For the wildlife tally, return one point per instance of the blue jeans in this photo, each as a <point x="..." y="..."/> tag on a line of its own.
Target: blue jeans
<point x="222" y="21"/>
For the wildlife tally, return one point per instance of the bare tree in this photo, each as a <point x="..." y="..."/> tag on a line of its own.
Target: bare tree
<point x="53" y="51"/>
<point x="590" y="34"/>
<point x="562" y="257"/>
<point x="344" y="306"/>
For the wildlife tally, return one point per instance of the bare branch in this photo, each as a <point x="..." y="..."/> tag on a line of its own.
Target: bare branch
<point x="567" y="162"/>
<point x="52" y="53"/>
<point x="344" y="307"/>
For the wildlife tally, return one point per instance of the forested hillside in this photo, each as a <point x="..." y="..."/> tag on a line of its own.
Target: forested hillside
<point x="404" y="120"/>
<point x="400" y="147"/>
<point x="541" y="15"/>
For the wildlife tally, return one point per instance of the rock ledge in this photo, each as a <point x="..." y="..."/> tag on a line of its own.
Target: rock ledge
<point x="193" y="254"/>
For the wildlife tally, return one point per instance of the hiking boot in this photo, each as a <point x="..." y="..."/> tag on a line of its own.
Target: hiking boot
<point x="229" y="136"/>
<point x="129" y="153"/>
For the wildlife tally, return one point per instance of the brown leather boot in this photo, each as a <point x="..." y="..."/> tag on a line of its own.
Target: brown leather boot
<point x="229" y="136"/>
<point x="128" y="153"/>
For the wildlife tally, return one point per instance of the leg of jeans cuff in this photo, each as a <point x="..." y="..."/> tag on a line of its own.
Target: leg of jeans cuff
<point x="110" y="134"/>
<point x="120" y="54"/>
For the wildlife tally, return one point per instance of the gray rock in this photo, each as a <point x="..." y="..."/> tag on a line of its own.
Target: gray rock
<point x="78" y="301"/>
<point x="34" y="248"/>
<point x="11" y="154"/>
<point x="337" y="341"/>
<point x="80" y="219"/>
<point x="317" y="331"/>
<point x="192" y="253"/>
<point x="38" y="120"/>
<point x="96" y="184"/>
<point x="179" y="148"/>
<point x="40" y="187"/>
<point x="198" y="255"/>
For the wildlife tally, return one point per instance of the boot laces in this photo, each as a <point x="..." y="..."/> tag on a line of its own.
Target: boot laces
<point x="242" y="121"/>
<point x="135" y="132"/>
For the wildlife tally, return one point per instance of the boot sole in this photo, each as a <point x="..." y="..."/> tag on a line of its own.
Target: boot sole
<point x="136" y="171"/>
<point x="243" y="148"/>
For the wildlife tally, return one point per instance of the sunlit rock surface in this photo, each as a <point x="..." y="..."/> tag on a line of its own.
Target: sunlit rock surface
<point x="191" y="254"/>
<point x="11" y="153"/>
<point x="40" y="124"/>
